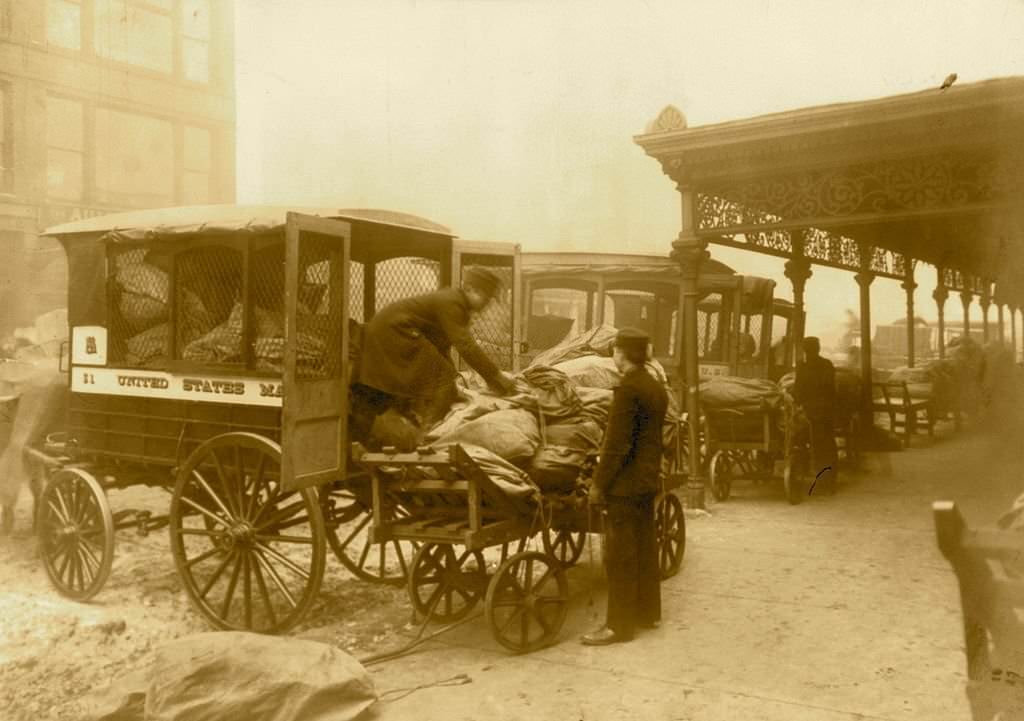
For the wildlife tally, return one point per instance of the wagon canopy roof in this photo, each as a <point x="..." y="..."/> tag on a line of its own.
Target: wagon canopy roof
<point x="174" y="223"/>
<point x="536" y="264"/>
<point x="934" y="176"/>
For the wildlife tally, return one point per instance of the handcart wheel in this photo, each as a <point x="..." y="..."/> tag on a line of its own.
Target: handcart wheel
<point x="564" y="545"/>
<point x="76" y="533"/>
<point x="349" y="519"/>
<point x="450" y="583"/>
<point x="670" y="534"/>
<point x="250" y="554"/>
<point x="721" y="475"/>
<point x="527" y="601"/>
<point x="793" y="481"/>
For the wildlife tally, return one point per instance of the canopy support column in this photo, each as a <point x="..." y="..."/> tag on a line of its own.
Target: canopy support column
<point x="986" y="301"/>
<point x="910" y="286"/>
<point x="864" y="279"/>
<point x="691" y="251"/>
<point x="965" y="300"/>
<point x="940" y="294"/>
<point x="798" y="270"/>
<point x="1002" y="324"/>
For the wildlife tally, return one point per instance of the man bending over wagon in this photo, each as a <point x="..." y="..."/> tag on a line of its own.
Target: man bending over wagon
<point x="406" y="352"/>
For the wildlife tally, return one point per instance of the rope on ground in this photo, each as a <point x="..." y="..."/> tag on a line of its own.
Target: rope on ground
<point x="456" y="680"/>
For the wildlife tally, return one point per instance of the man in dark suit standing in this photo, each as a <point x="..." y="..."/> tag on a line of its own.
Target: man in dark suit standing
<point x="627" y="480"/>
<point x="814" y="389"/>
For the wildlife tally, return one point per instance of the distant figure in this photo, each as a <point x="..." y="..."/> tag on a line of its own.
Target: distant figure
<point x="815" y="391"/>
<point x="950" y="79"/>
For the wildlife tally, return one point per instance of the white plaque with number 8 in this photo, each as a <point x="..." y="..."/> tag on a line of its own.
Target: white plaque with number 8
<point x="89" y="345"/>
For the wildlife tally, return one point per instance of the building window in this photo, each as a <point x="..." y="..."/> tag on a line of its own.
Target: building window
<point x="134" y="159"/>
<point x="65" y="148"/>
<point x="135" y="32"/>
<point x="197" y="164"/>
<point x="6" y="140"/>
<point x="64" y="23"/>
<point x="195" y="41"/>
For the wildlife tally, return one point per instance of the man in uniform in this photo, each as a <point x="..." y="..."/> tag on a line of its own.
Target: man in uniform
<point x="627" y="481"/>
<point x="406" y="352"/>
<point x="815" y="390"/>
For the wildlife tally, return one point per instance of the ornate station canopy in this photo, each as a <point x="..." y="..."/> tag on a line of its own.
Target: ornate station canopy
<point x="934" y="176"/>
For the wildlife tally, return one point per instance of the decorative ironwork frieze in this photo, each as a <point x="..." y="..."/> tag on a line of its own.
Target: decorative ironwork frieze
<point x="880" y="188"/>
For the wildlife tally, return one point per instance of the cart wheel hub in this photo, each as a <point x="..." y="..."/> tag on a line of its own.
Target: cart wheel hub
<point x="240" y="533"/>
<point x="68" y="530"/>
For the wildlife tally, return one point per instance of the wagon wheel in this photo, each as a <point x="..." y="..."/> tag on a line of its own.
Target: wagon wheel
<point x="250" y="554"/>
<point x="349" y="519"/>
<point x="793" y="480"/>
<point x="670" y="534"/>
<point x="527" y="601"/>
<point x="564" y="545"/>
<point x="76" y="533"/>
<point x="444" y="585"/>
<point x="721" y="475"/>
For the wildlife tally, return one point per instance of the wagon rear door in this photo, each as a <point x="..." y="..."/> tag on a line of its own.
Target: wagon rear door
<point x="313" y="432"/>
<point x="497" y="328"/>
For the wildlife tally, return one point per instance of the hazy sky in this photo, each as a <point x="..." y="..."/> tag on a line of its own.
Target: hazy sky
<point x="514" y="120"/>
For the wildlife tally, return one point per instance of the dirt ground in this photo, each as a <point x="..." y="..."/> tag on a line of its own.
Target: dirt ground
<point x="839" y="608"/>
<point x="54" y="651"/>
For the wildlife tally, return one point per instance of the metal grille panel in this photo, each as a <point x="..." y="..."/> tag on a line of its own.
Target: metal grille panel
<point x="320" y="314"/>
<point x="492" y="327"/>
<point x="266" y="314"/>
<point x="208" y="285"/>
<point x="398" y="278"/>
<point x="708" y="347"/>
<point x="138" y="293"/>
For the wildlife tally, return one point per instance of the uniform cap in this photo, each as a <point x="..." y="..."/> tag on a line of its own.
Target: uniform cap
<point x="483" y="280"/>
<point x="632" y="339"/>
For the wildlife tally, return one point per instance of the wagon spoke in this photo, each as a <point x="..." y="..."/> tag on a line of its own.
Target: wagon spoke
<point x="225" y="606"/>
<point x="263" y="592"/>
<point x="401" y="558"/>
<point x="60" y="498"/>
<point x="284" y="561"/>
<point x="247" y="590"/>
<point x="512" y="618"/>
<point x="87" y="552"/>
<point x="209" y="491"/>
<point x="360" y="527"/>
<point x="257" y="483"/>
<point x="200" y="532"/>
<point x="64" y="563"/>
<point x="216" y="574"/>
<point x="86" y="568"/>
<point x="203" y="556"/>
<point x="282" y="514"/>
<point x="524" y="629"/>
<point x="240" y="486"/>
<point x="284" y="539"/>
<point x="220" y="520"/>
<point x="276" y="579"/>
<point x="224" y="482"/>
<point x="298" y="521"/>
<point x="540" y="619"/>
<point x="366" y="552"/>
<point x="56" y="511"/>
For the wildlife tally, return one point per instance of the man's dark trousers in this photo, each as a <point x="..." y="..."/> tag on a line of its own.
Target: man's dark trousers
<point x="631" y="556"/>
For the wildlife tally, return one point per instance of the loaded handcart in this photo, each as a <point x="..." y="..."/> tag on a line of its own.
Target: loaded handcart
<point x="210" y="355"/>
<point x="448" y="504"/>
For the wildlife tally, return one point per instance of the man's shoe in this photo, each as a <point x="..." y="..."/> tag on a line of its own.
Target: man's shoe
<point x="650" y="625"/>
<point x="602" y="637"/>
